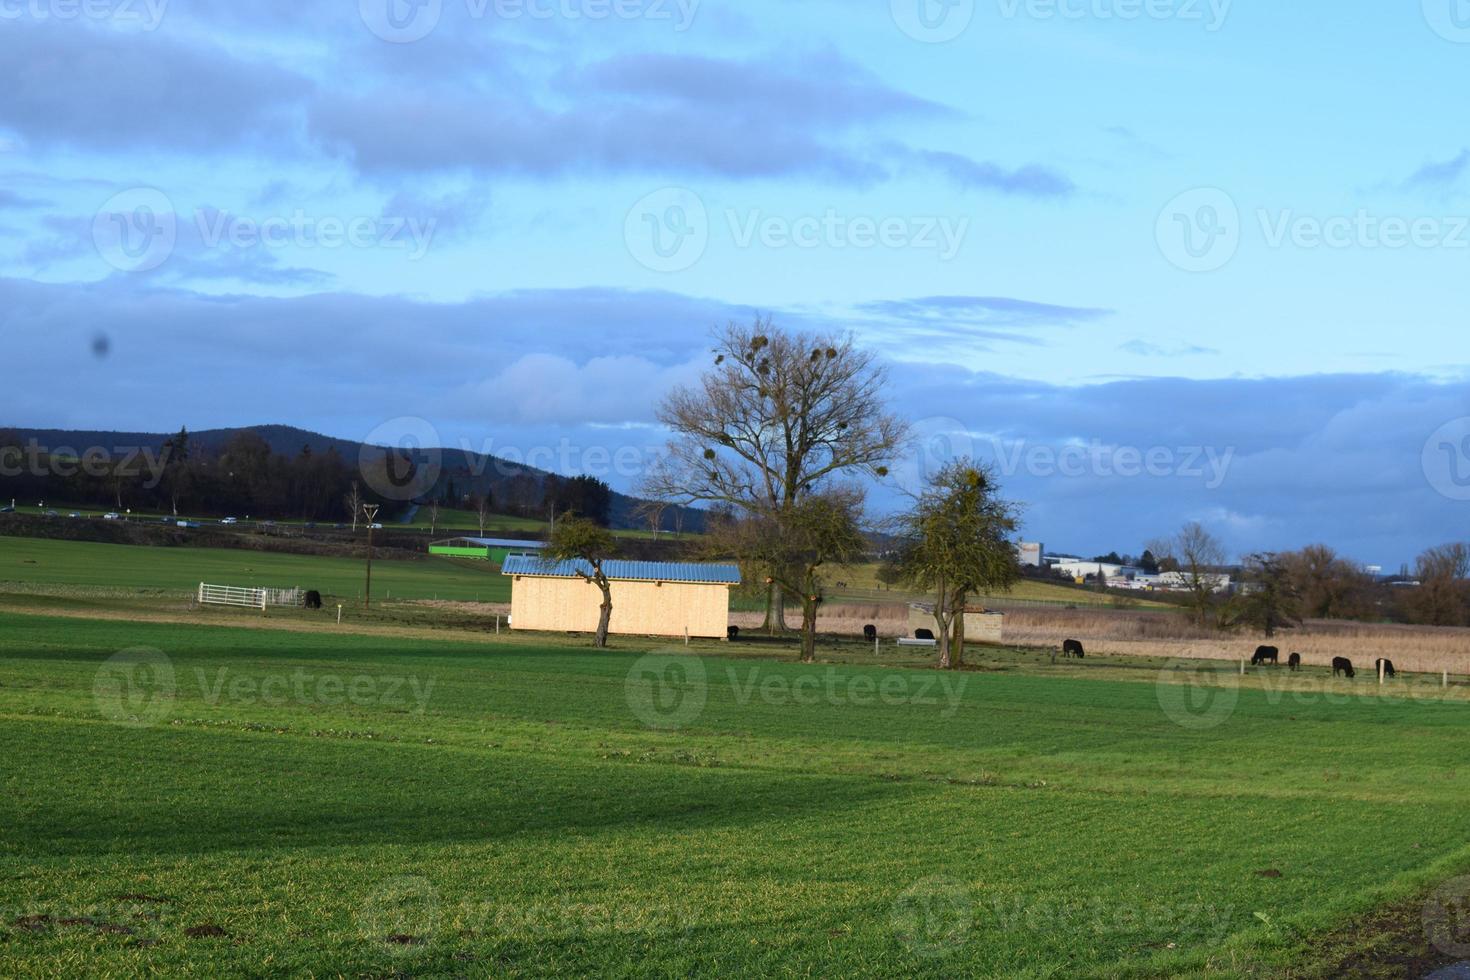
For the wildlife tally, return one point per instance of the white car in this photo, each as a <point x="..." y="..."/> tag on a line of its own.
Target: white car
<point x="112" y="516"/>
<point x="376" y="527"/>
<point x="229" y="520"/>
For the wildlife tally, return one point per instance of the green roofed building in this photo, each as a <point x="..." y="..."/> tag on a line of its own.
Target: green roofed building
<point x="485" y="549"/>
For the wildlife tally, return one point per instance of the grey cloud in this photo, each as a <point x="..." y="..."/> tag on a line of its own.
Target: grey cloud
<point x="89" y="87"/>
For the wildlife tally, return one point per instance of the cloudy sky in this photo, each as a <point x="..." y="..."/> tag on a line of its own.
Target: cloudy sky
<point x="1159" y="260"/>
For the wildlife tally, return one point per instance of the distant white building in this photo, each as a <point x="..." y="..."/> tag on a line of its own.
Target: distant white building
<point x="1175" y="581"/>
<point x="1081" y="570"/>
<point x="1029" y="553"/>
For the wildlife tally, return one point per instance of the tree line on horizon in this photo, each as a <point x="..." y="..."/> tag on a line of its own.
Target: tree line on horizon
<point x="248" y="477"/>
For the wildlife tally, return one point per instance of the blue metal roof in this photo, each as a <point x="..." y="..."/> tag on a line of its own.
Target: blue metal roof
<point x="498" y="543"/>
<point x="630" y="571"/>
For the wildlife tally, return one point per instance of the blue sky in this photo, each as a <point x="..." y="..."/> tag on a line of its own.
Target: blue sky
<point x="1228" y="240"/>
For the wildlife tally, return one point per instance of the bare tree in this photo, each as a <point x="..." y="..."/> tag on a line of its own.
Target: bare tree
<point x="434" y="516"/>
<point x="481" y="503"/>
<point x="1329" y="586"/>
<point x="776" y="417"/>
<point x="353" y="501"/>
<point x="1197" y="555"/>
<point x="652" y="511"/>
<point x="957" y="545"/>
<point x="1443" y="595"/>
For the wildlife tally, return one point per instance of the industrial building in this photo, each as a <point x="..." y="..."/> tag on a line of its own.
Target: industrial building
<point x="486" y="549"/>
<point x="649" y="598"/>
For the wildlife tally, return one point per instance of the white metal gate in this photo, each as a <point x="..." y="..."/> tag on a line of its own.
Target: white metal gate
<point x="247" y="598"/>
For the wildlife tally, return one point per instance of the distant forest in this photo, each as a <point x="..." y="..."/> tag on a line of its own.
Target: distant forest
<point x="252" y="472"/>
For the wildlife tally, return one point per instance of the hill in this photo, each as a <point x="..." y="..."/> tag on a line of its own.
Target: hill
<point x="460" y="471"/>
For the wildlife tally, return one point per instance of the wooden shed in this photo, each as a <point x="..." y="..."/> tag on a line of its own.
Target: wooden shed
<point x="650" y="598"/>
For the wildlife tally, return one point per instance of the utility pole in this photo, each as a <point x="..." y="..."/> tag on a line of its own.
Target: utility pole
<point x="370" y="511"/>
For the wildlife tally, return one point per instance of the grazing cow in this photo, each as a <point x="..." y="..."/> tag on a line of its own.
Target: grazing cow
<point x="1386" y="667"/>
<point x="870" y="632"/>
<point x="1294" y="661"/>
<point x="1342" y="665"/>
<point x="1073" y="648"/>
<point x="923" y="634"/>
<point x="313" y="599"/>
<point x="1266" y="655"/>
<point x="732" y="633"/>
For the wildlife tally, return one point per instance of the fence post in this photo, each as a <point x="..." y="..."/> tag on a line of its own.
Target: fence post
<point x="201" y="593"/>
<point x="1381" y="670"/>
<point x="339" y="614"/>
<point x="1242" y="666"/>
<point x="1446" y="684"/>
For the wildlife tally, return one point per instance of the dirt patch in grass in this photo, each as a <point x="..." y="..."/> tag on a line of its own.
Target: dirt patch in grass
<point x="1390" y="942"/>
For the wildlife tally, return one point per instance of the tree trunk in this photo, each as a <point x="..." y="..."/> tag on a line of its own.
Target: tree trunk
<point x="808" y="629"/>
<point x="775" y="623"/>
<point x="959" y="631"/>
<point x="604" y="615"/>
<point x="943" y="617"/>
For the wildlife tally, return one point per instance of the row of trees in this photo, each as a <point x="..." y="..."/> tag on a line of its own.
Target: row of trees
<point x="1280" y="589"/>
<point x="245" y="477"/>
<point x="778" y="441"/>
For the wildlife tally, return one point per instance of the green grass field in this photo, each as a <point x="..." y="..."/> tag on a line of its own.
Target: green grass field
<point x="232" y="801"/>
<point x="85" y="563"/>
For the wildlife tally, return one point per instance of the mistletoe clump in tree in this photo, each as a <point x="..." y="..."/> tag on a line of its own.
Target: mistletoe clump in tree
<point x="780" y="419"/>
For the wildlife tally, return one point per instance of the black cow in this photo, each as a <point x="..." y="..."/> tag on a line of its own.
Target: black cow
<point x="870" y="632"/>
<point x="1342" y="665"/>
<point x="1266" y="655"/>
<point x="313" y="599"/>
<point x="732" y="633"/>
<point x="923" y="634"/>
<point x="1386" y="666"/>
<point x="1294" y="661"/>
<point x="1073" y="648"/>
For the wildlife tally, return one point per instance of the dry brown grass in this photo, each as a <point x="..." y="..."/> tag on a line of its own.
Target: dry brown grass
<point x="1150" y="634"/>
